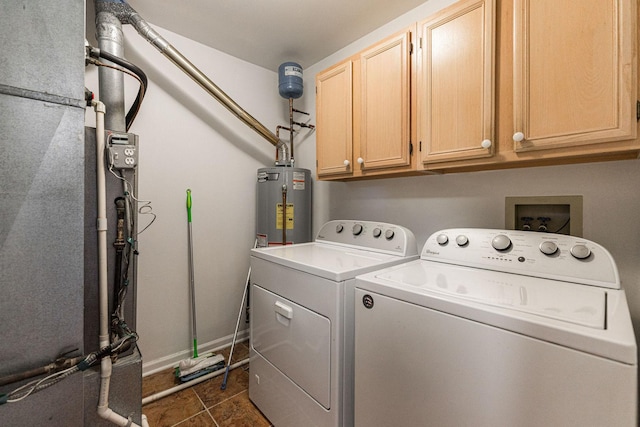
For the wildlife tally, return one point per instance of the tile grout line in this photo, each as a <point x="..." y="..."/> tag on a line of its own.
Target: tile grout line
<point x="193" y="416"/>
<point x="212" y="417"/>
<point x="197" y="413"/>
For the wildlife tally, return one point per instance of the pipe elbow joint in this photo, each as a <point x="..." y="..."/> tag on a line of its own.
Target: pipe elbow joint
<point x="144" y="29"/>
<point x="283" y="149"/>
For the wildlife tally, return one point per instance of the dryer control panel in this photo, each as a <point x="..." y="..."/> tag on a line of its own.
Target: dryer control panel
<point x="376" y="236"/>
<point x="546" y="255"/>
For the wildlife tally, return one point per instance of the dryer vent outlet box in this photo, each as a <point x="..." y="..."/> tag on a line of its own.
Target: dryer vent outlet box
<point x="548" y="214"/>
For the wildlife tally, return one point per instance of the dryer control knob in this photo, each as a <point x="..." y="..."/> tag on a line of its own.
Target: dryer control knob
<point x="442" y="239"/>
<point x="462" y="240"/>
<point x="389" y="234"/>
<point x="339" y="228"/>
<point x="580" y="251"/>
<point x="501" y="242"/>
<point x="548" y="248"/>
<point x="377" y="232"/>
<point x="357" y="229"/>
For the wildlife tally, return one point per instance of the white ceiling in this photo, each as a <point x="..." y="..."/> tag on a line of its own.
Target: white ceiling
<point x="270" y="32"/>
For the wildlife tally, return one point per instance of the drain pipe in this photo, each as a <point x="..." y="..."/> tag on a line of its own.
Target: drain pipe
<point x="105" y="364"/>
<point x="172" y="390"/>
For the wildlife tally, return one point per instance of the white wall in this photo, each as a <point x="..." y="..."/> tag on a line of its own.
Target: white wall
<point x="188" y="140"/>
<point x="425" y="204"/>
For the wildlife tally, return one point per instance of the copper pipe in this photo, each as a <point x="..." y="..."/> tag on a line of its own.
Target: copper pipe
<point x="291" y="126"/>
<point x="284" y="215"/>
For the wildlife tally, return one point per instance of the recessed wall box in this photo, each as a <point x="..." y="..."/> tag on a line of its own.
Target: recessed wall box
<point x="550" y="214"/>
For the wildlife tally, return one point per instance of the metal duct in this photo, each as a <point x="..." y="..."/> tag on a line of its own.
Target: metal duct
<point x="127" y="15"/>
<point x="111" y="82"/>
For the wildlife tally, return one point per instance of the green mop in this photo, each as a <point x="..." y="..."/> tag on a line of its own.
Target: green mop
<point x="195" y="366"/>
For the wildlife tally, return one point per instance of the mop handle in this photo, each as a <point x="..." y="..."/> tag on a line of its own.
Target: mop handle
<point x="192" y="287"/>
<point x="189" y="204"/>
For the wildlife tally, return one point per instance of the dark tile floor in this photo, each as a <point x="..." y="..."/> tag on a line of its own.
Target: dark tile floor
<point x="204" y="404"/>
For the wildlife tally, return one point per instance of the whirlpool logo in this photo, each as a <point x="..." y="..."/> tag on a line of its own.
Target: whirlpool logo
<point x="430" y="252"/>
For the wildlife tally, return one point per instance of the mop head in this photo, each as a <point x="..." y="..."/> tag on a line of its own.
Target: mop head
<point x="195" y="367"/>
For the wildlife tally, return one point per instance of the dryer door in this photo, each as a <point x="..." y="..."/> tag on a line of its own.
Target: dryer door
<point x="295" y="340"/>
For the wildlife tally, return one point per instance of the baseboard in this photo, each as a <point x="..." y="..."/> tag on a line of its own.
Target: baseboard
<point x="153" y="366"/>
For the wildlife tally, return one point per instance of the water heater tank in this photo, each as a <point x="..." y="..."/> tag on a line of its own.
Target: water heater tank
<point x="283" y="206"/>
<point x="290" y="80"/>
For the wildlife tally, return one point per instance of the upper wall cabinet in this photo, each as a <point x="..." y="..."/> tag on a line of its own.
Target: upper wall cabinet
<point x="363" y="108"/>
<point x="456" y="83"/>
<point x="334" y="120"/>
<point x="491" y="84"/>
<point x="574" y="81"/>
<point x="382" y="113"/>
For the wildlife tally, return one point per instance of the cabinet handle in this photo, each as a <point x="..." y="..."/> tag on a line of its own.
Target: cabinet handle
<point x="347" y="162"/>
<point x="360" y="160"/>
<point x="486" y="143"/>
<point x="518" y="136"/>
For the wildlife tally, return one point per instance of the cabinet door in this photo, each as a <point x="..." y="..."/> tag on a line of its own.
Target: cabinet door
<point x="383" y="107"/>
<point x="456" y="83"/>
<point x="573" y="72"/>
<point x="334" y="132"/>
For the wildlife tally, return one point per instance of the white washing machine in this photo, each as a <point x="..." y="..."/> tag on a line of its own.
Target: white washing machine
<point x="301" y="333"/>
<point x="496" y="328"/>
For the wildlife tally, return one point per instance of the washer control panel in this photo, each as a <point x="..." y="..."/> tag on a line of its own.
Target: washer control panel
<point x="378" y="236"/>
<point x="546" y="255"/>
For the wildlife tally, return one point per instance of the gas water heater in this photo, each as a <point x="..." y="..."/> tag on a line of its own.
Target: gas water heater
<point x="283" y="193"/>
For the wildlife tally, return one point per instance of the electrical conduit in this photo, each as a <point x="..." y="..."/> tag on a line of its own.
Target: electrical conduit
<point x="105" y="364"/>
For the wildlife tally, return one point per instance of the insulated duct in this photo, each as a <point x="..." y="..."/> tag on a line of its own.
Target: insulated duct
<point x="127" y="15"/>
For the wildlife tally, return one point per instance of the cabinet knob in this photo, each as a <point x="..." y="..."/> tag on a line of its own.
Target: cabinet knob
<point x="347" y="162"/>
<point x="518" y="136"/>
<point x="486" y="143"/>
<point x="360" y="160"/>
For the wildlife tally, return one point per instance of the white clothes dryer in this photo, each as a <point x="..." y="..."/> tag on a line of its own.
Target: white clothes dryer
<point x="301" y="332"/>
<point x="496" y="328"/>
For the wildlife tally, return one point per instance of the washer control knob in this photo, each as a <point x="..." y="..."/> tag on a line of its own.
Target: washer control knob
<point x="377" y="232"/>
<point x="548" y="248"/>
<point x="442" y="239"/>
<point x="389" y="234"/>
<point x="357" y="229"/>
<point x="462" y="240"/>
<point x="501" y="242"/>
<point x="339" y="228"/>
<point x="580" y="251"/>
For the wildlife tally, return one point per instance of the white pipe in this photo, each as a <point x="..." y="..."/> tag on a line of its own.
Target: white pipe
<point x="105" y="364"/>
<point x="100" y="109"/>
<point x="191" y="383"/>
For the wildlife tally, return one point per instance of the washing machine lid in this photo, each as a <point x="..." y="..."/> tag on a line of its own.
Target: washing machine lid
<point x="332" y="262"/>
<point x="588" y="318"/>
<point x="567" y="302"/>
